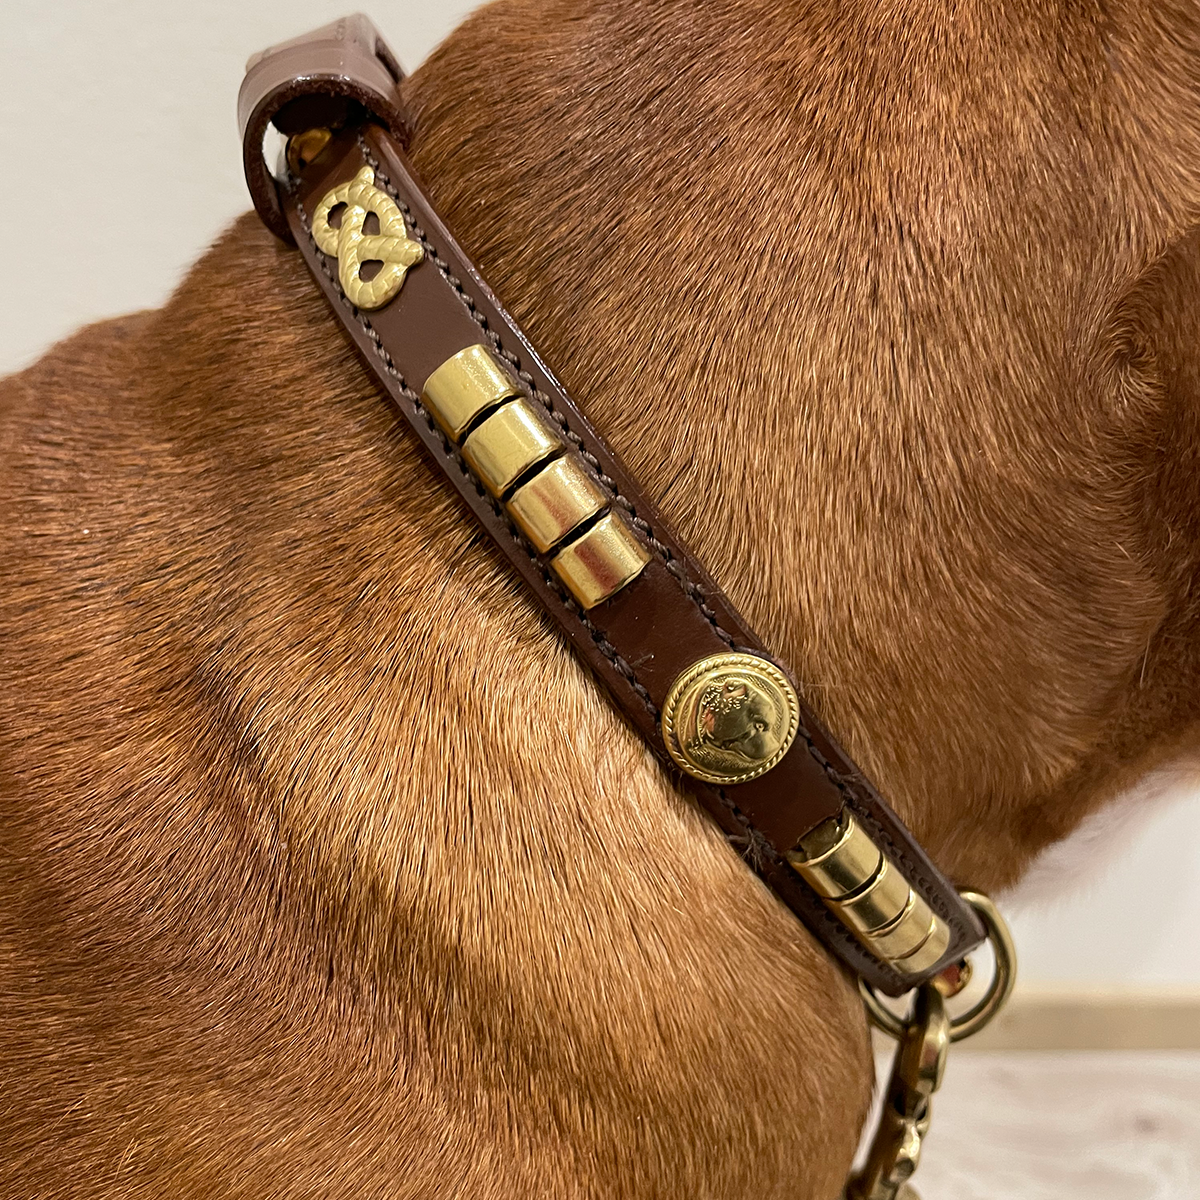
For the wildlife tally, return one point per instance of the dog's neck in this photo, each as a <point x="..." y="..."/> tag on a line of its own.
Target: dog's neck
<point x="826" y="316"/>
<point x="874" y="349"/>
<point x="895" y="318"/>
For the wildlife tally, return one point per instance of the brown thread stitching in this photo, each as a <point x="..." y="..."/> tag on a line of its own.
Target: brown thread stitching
<point x="758" y="846"/>
<point x="451" y="451"/>
<point x="692" y="590"/>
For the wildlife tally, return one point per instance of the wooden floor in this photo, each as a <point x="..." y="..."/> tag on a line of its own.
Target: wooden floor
<point x="1065" y="1125"/>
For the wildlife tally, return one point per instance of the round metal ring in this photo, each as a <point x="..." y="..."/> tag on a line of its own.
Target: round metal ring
<point x="992" y="1001"/>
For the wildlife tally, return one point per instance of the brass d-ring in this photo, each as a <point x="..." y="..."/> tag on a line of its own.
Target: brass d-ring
<point x="992" y="1001"/>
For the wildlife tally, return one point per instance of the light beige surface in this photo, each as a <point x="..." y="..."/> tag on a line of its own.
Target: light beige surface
<point x="1065" y="1126"/>
<point x="102" y="104"/>
<point x="1040" y="1019"/>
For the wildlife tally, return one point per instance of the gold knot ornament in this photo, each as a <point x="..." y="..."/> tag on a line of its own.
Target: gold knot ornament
<point x="391" y="246"/>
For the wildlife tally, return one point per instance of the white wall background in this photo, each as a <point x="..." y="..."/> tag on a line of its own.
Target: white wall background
<point x="101" y="103"/>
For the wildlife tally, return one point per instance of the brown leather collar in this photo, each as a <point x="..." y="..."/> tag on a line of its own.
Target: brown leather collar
<point x="622" y="588"/>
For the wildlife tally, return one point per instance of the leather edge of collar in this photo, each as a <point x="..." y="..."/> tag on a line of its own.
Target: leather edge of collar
<point x="453" y="308"/>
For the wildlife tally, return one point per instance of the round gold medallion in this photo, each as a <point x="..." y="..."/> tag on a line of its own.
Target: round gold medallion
<point x="730" y="718"/>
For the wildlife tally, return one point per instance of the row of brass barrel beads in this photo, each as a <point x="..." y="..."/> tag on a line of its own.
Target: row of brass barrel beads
<point x="523" y="462"/>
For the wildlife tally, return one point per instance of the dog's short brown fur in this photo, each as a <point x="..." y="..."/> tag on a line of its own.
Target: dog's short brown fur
<point x="327" y="871"/>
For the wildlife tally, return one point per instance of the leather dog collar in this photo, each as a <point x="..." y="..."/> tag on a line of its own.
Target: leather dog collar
<point x="678" y="660"/>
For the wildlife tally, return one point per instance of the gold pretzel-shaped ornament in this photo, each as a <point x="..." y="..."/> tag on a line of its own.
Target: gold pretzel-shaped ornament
<point x="391" y="246"/>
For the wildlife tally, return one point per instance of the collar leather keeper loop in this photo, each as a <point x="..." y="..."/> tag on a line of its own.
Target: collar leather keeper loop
<point x="705" y="693"/>
<point x="337" y="75"/>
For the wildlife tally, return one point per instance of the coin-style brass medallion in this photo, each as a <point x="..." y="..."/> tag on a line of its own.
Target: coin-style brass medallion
<point x="730" y="718"/>
<point x="391" y="247"/>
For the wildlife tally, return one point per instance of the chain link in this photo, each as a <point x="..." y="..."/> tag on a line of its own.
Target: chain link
<point x="916" y="1074"/>
<point x="920" y="1061"/>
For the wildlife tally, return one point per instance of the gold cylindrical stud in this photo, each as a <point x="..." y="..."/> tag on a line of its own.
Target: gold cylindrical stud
<point x="930" y="950"/>
<point x="878" y="904"/>
<point x="513" y="439"/>
<point x="600" y="562"/>
<point x="869" y="894"/>
<point x="303" y="148"/>
<point x="465" y="386"/>
<point x="556" y="501"/>
<point x="837" y="857"/>
<point x="906" y="934"/>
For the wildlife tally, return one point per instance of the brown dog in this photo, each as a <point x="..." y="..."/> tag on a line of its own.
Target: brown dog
<point x="327" y="871"/>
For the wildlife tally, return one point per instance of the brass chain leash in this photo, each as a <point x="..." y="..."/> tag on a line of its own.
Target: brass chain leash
<point x="916" y="1074"/>
<point x="920" y="1062"/>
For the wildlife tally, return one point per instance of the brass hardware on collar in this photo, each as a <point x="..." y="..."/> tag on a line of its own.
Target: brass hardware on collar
<point x="869" y="894"/>
<point x="917" y="1071"/>
<point x="879" y="904"/>
<point x="730" y="718"/>
<point x="513" y="439"/>
<point x="304" y="148"/>
<point x="391" y="246"/>
<point x="1004" y="977"/>
<point x="550" y="503"/>
<point x="934" y="942"/>
<point x="954" y="978"/>
<point x="601" y="561"/>
<point x="907" y="934"/>
<point x="555" y="502"/>
<point x="924" y="1042"/>
<point x="465" y="386"/>
<point x="837" y="857"/>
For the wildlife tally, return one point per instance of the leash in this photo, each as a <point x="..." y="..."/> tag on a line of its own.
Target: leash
<point x="687" y="672"/>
